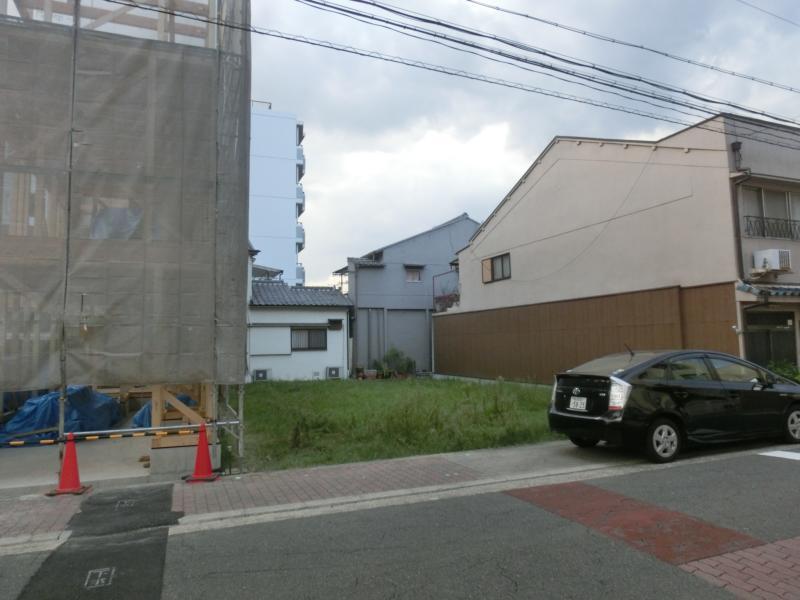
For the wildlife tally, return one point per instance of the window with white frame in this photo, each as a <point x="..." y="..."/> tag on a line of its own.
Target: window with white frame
<point x="309" y="339"/>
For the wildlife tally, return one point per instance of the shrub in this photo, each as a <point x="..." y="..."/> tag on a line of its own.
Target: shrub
<point x="398" y="362"/>
<point x="785" y="369"/>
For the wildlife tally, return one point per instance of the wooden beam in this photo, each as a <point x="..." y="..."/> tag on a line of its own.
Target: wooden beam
<point x="23" y="10"/>
<point x="208" y="393"/>
<point x="184" y="6"/>
<point x="157" y="405"/>
<point x="129" y="20"/>
<point x="187" y="412"/>
<point x="108" y="17"/>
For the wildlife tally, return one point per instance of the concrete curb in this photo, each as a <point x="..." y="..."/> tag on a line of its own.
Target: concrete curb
<point x="25" y="544"/>
<point x="266" y="514"/>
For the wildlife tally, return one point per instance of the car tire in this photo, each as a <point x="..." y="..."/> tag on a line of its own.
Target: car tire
<point x="791" y="426"/>
<point x="582" y="442"/>
<point x="663" y="441"/>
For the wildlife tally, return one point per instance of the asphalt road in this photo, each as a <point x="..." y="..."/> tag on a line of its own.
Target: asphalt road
<point x="531" y="543"/>
<point x="489" y="546"/>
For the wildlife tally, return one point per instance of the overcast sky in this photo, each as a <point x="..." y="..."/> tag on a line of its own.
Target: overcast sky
<point x="392" y="150"/>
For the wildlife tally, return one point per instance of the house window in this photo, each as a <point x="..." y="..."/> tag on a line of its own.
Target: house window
<point x="496" y="268"/>
<point x="309" y="339"/>
<point x="413" y="274"/>
<point x="771" y="213"/>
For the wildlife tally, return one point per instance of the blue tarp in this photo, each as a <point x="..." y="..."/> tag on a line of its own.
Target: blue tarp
<point x="84" y="410"/>
<point x="144" y="416"/>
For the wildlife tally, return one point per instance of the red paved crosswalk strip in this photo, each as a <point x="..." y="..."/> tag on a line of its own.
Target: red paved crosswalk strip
<point x="670" y="536"/>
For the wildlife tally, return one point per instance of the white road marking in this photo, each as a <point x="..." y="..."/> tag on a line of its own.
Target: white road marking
<point x="782" y="454"/>
<point x="99" y="578"/>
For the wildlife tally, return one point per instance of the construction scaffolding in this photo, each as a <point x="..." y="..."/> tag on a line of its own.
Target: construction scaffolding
<point x="124" y="141"/>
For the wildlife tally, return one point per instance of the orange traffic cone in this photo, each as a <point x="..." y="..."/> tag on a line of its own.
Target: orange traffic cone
<point x="202" y="461"/>
<point x="69" y="481"/>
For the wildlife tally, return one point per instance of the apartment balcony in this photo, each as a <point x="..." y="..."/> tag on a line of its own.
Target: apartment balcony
<point x="301" y="200"/>
<point x="301" y="273"/>
<point x="301" y="237"/>
<point x="301" y="155"/>
<point x="766" y="227"/>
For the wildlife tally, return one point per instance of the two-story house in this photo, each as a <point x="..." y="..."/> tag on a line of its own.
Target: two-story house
<point x="690" y="241"/>
<point x="392" y="292"/>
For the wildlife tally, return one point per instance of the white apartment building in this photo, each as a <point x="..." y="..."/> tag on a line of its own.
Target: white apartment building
<point x="277" y="199"/>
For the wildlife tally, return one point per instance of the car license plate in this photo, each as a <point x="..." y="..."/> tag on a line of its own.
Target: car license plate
<point x="577" y="403"/>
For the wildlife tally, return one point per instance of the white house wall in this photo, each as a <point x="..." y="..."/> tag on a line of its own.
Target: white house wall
<point x="270" y="343"/>
<point x="595" y="218"/>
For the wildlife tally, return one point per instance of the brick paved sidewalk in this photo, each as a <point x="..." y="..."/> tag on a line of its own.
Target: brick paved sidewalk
<point x="36" y="514"/>
<point x="318" y="483"/>
<point x="770" y="571"/>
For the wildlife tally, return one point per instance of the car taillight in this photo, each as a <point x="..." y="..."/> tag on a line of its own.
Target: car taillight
<point x="553" y="395"/>
<point x="618" y="394"/>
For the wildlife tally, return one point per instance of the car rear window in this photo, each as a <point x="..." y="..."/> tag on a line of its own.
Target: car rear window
<point x="613" y="363"/>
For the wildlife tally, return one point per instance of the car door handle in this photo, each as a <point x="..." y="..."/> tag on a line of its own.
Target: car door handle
<point x="681" y="395"/>
<point x="733" y="395"/>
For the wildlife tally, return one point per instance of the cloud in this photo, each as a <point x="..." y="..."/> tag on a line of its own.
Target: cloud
<point x="371" y="193"/>
<point x="393" y="150"/>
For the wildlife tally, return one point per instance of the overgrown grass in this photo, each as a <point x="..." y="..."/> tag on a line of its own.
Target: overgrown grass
<point x="296" y="424"/>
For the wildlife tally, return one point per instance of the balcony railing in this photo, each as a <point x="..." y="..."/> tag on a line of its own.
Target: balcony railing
<point x="301" y="200"/>
<point x="771" y="228"/>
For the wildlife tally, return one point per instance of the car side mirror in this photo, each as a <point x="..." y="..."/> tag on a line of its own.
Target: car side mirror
<point x="762" y="383"/>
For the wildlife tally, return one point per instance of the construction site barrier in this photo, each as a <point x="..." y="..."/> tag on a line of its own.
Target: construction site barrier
<point x="114" y="434"/>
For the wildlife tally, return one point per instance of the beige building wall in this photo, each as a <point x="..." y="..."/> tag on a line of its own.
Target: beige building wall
<point x="599" y="217"/>
<point x="778" y="159"/>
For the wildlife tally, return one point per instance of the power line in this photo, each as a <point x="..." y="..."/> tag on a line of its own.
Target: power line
<point x="571" y="60"/>
<point x="445" y="71"/>
<point x="327" y="6"/>
<point x="763" y="10"/>
<point x="516" y="65"/>
<point x="611" y="40"/>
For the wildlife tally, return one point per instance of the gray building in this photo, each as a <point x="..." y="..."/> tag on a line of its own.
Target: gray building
<point x="392" y="289"/>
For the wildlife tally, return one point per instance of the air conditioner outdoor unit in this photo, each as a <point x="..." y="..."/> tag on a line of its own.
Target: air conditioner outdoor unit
<point x="261" y="374"/>
<point x="772" y="260"/>
<point x="333" y="373"/>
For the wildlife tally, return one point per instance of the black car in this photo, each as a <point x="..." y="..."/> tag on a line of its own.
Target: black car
<point x="663" y="400"/>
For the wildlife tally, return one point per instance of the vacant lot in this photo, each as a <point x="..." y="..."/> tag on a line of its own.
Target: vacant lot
<point x="296" y="424"/>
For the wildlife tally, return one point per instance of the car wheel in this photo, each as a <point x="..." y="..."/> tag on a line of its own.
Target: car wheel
<point x="792" y="426"/>
<point x="663" y="442"/>
<point x="582" y="442"/>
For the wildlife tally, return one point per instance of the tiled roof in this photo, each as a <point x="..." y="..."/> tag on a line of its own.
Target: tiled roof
<point x="277" y="293"/>
<point x="769" y="289"/>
